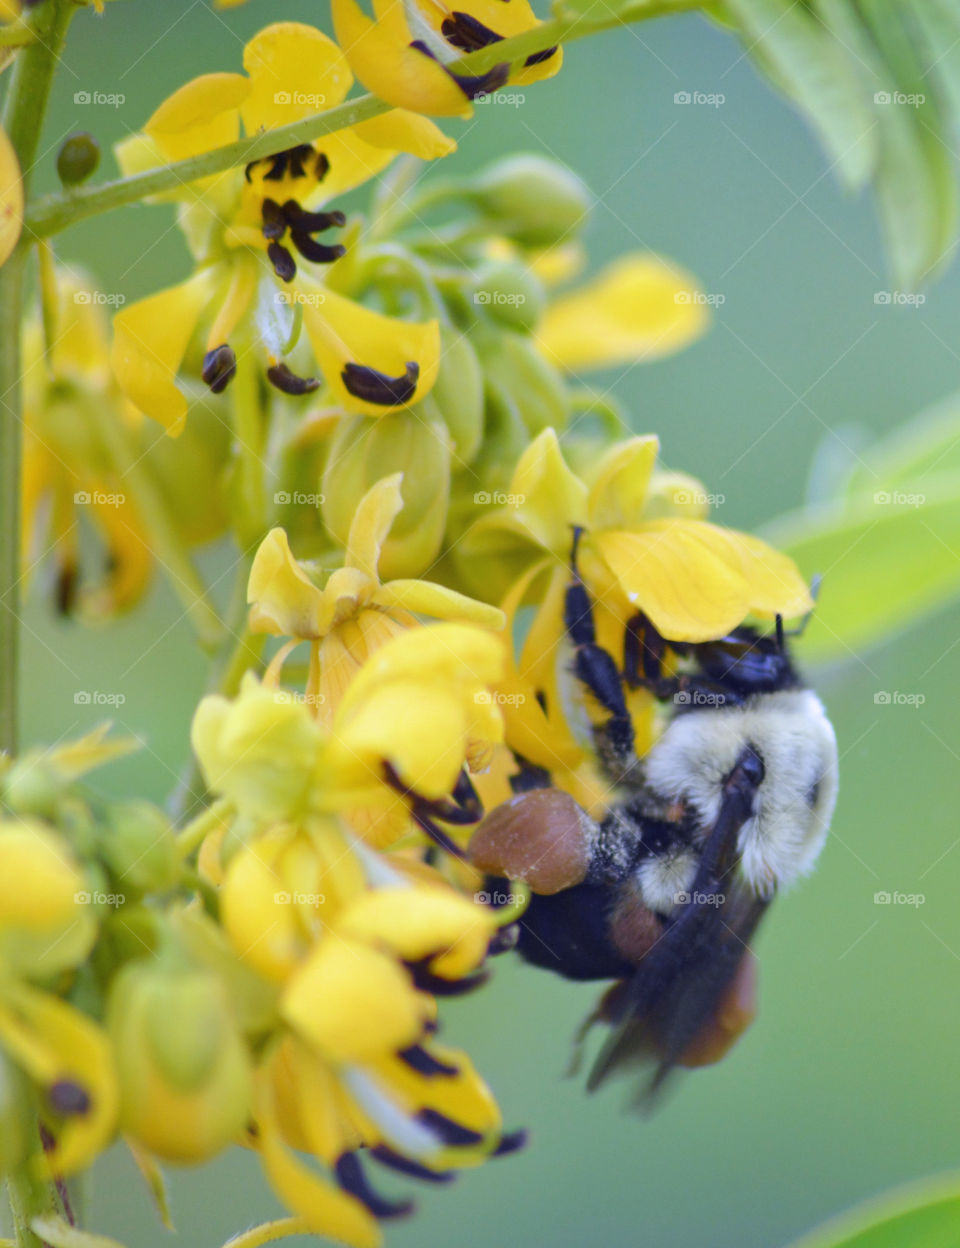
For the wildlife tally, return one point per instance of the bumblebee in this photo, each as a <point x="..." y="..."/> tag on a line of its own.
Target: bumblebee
<point x="664" y="893"/>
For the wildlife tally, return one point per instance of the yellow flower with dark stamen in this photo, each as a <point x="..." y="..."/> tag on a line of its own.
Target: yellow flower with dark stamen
<point x="646" y="549"/>
<point x="251" y="231"/>
<point x="406" y="54"/>
<point x="354" y="613"/>
<point x="68" y="1060"/>
<point x="68" y="476"/>
<point x="641" y="307"/>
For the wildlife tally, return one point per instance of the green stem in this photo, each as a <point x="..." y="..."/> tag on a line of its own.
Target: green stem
<point x="24" y="108"/>
<point x="27" y="1199"/>
<point x="55" y="212"/>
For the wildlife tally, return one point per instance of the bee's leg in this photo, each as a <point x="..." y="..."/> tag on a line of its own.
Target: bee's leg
<point x="643" y="653"/>
<point x="596" y="669"/>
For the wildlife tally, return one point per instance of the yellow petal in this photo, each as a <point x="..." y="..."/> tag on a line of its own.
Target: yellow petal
<point x="439" y="602"/>
<point x="73" y="1049"/>
<point x="201" y="115"/>
<point x="284" y="601"/>
<point x="11" y="198"/>
<point x="419" y="923"/>
<point x="775" y="584"/>
<point x="324" y="1208"/>
<point x="381" y="56"/>
<point x="343" y="333"/>
<point x="638" y="309"/>
<point x="619" y="489"/>
<point x="371" y="523"/>
<point x="687" y="576"/>
<point x="150" y="339"/>
<point x="295" y="70"/>
<point x="403" y="131"/>
<point x="351" y="1002"/>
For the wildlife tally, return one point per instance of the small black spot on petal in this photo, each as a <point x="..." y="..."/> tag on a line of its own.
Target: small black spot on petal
<point x="424" y="1063"/>
<point x="68" y="1098"/>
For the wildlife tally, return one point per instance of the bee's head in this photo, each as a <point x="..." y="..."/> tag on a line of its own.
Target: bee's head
<point x="792" y="737"/>
<point x="748" y="662"/>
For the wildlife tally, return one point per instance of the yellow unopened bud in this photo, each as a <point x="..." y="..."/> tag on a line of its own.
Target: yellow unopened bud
<point x="183" y="1068"/>
<point x="533" y="200"/>
<point x="46" y="920"/>
<point x="259" y="750"/>
<point x="140" y="848"/>
<point x="363" y="452"/>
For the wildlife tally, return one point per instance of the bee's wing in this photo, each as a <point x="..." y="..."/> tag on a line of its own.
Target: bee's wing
<point x="677" y="989"/>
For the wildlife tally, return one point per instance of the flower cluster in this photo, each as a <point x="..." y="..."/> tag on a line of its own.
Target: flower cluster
<point x="391" y="419"/>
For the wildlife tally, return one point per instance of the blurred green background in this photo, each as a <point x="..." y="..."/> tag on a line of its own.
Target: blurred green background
<point x="848" y="1082"/>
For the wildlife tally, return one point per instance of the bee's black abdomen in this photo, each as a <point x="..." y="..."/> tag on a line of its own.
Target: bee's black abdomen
<point x="568" y="933"/>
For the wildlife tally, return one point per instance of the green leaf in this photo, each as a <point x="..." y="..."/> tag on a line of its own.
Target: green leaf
<point x="939" y="22"/>
<point x="816" y="72"/>
<point x="922" y="1215"/>
<point x="928" y="444"/>
<point x="887" y="560"/>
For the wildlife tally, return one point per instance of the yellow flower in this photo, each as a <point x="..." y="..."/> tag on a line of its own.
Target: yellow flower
<point x="362" y="939"/>
<point x="183" y="1069"/>
<point x="11" y="198"/>
<point x="244" y="228"/>
<point x="407" y="54"/>
<point x="45" y="923"/>
<point x="354" y="613"/>
<point x="639" y="308"/>
<point x="68" y="1060"/>
<point x="646" y="549"/>
<point x="68" y="473"/>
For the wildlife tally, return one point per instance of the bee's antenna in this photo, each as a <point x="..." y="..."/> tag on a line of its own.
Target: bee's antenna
<point x="577" y="534"/>
<point x="815" y="582"/>
<point x="780" y="633"/>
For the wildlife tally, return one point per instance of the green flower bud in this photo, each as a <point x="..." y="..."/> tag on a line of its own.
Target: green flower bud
<point x="457" y="395"/>
<point x="518" y="371"/>
<point x="189" y="472"/>
<point x="78" y="158"/>
<point x="533" y="200"/>
<point x="362" y="452"/>
<point x="139" y="847"/>
<point x="510" y="293"/>
<point x="183" y="1068"/>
